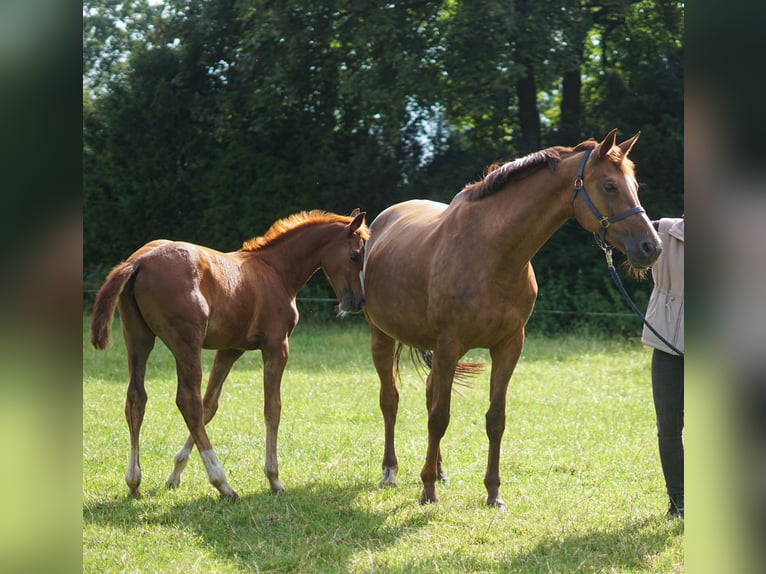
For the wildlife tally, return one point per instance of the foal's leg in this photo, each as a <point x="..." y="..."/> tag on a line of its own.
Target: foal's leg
<point x="383" y="351"/>
<point x="438" y="398"/>
<point x="139" y="342"/>
<point x="222" y="363"/>
<point x="186" y="345"/>
<point x="274" y="361"/>
<point x="504" y="359"/>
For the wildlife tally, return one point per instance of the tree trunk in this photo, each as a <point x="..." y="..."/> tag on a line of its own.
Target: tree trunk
<point x="529" y="118"/>
<point x="569" y="129"/>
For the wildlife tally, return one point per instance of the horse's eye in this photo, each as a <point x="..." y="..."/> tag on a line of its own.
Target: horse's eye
<point x="610" y="187"/>
<point x="355" y="257"/>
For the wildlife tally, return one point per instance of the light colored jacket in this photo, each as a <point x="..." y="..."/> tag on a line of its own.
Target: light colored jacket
<point x="665" y="311"/>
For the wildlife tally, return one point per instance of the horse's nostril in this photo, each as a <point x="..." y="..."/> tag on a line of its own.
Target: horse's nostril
<point x="647" y="247"/>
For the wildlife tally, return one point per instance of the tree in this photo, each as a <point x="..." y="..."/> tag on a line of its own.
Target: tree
<point x="208" y="120"/>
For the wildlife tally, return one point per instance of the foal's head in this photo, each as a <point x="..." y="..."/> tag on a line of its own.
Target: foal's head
<point x="341" y="260"/>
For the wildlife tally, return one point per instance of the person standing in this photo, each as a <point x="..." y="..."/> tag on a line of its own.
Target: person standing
<point x="665" y="313"/>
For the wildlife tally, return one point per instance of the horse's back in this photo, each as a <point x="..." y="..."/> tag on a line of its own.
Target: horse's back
<point x="407" y="224"/>
<point x="229" y="298"/>
<point x="415" y="212"/>
<point x="179" y="283"/>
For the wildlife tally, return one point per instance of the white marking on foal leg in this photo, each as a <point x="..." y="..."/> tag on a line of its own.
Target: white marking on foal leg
<point x="389" y="476"/>
<point x="180" y="460"/>
<point x="216" y="475"/>
<point x="133" y="475"/>
<point x="271" y="467"/>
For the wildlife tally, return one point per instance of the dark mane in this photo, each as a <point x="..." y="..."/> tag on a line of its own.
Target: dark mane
<point x="497" y="176"/>
<point x="302" y="219"/>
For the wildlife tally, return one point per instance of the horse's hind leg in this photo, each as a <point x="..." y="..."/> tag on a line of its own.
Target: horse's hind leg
<point x="139" y="342"/>
<point x="222" y="363"/>
<point x="384" y="356"/>
<point x="504" y="359"/>
<point x="438" y="399"/>
<point x="186" y="345"/>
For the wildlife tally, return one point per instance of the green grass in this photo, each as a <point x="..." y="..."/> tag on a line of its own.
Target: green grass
<point x="580" y="471"/>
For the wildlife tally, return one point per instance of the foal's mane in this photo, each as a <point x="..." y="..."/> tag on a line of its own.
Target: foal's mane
<point x="297" y="220"/>
<point x="497" y="176"/>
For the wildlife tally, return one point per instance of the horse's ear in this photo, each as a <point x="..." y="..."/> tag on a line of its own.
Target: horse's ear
<point x="627" y="145"/>
<point x="355" y="212"/>
<point x="357" y="222"/>
<point x="607" y="143"/>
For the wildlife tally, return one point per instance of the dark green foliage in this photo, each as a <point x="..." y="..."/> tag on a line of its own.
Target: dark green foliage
<point x="207" y="121"/>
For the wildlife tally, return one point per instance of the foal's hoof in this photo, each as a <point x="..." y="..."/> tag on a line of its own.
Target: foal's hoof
<point x="230" y="496"/>
<point x="497" y="503"/>
<point x="389" y="477"/>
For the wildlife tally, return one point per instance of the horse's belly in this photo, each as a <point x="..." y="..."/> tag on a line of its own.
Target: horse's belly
<point x="400" y="321"/>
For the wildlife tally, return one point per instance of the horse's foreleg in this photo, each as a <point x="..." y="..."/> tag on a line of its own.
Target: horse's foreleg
<point x="383" y="356"/>
<point x="189" y="402"/>
<point x="438" y="398"/>
<point x="222" y="363"/>
<point x="274" y="361"/>
<point x="504" y="359"/>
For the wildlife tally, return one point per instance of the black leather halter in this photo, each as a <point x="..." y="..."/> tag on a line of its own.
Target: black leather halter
<point x="604" y="221"/>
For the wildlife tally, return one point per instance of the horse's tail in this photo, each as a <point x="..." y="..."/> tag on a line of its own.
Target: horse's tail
<point x="464" y="372"/>
<point x="106" y="301"/>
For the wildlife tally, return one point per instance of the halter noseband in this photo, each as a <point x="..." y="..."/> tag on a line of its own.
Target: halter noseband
<point x="604" y="221"/>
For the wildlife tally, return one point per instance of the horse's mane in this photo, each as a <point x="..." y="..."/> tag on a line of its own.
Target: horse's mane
<point x="302" y="219"/>
<point x="496" y="176"/>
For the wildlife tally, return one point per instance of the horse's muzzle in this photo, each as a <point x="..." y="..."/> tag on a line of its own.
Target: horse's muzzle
<point x="352" y="303"/>
<point x="644" y="253"/>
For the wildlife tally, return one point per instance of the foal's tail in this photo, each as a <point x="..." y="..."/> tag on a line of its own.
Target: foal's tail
<point x="106" y="301"/>
<point x="423" y="359"/>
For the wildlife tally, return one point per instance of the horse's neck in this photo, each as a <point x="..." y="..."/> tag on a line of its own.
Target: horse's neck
<point x="525" y="215"/>
<point x="295" y="257"/>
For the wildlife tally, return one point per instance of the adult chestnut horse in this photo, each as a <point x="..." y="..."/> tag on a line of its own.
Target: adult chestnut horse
<point x="449" y="278"/>
<point x="193" y="297"/>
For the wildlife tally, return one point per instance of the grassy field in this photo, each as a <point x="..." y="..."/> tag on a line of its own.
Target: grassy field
<point x="580" y="469"/>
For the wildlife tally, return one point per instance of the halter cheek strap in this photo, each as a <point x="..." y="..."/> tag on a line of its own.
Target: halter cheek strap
<point x="604" y="221"/>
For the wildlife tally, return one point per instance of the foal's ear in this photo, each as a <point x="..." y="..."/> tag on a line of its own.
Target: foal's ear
<point x="627" y="145"/>
<point x="607" y="143"/>
<point x="358" y="220"/>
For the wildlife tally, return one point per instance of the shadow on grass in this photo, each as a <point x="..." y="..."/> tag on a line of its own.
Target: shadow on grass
<point x="321" y="527"/>
<point x="633" y="547"/>
<point x="314" y="527"/>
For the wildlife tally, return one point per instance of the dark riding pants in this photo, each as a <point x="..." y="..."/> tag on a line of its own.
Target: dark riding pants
<point x="668" y="391"/>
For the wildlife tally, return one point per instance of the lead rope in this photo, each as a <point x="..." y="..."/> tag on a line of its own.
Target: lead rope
<point x="613" y="272"/>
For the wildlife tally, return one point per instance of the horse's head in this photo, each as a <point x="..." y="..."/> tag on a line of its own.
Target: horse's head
<point x="341" y="260"/>
<point x="605" y="201"/>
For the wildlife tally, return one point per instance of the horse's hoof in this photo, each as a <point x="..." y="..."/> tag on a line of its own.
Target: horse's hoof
<point x="230" y="496"/>
<point x="389" y="477"/>
<point x="430" y="498"/>
<point x="276" y="487"/>
<point x="497" y="503"/>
